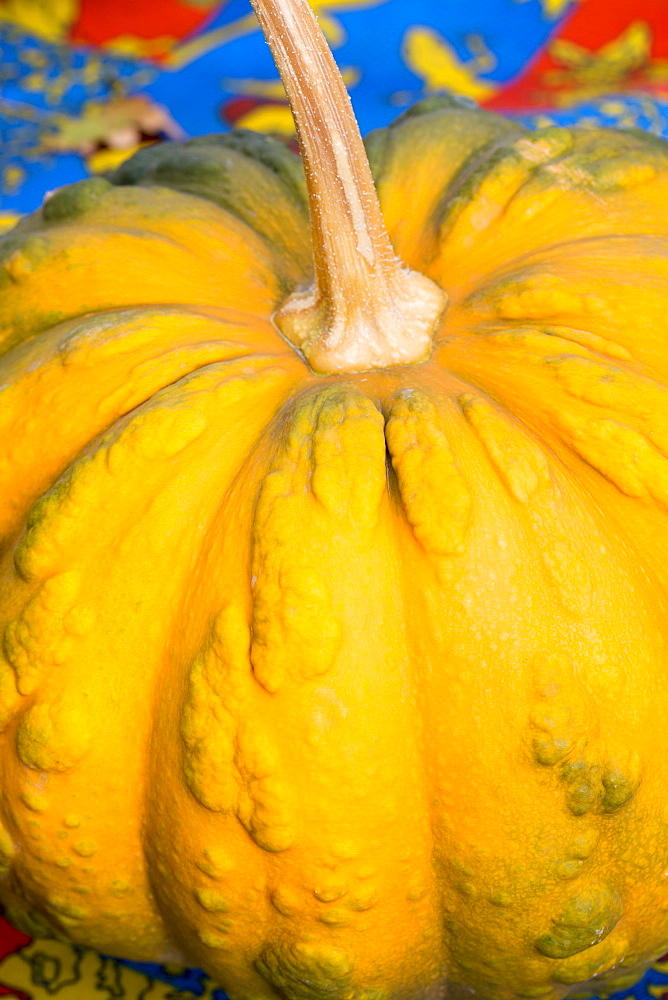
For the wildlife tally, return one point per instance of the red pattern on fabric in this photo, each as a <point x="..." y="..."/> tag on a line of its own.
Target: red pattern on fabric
<point x="591" y="24"/>
<point x="11" y="939"/>
<point x="98" y="23"/>
<point x="9" y="991"/>
<point x="234" y="109"/>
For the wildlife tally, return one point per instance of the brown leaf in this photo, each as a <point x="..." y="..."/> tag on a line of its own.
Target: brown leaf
<point x="120" y="123"/>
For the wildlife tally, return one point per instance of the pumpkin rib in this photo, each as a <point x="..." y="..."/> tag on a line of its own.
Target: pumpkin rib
<point x="433" y="501"/>
<point x="581" y="241"/>
<point x="557" y="448"/>
<point x="575" y="339"/>
<point x="580" y="380"/>
<point x="521" y="195"/>
<point x="141" y="234"/>
<point x="245" y="173"/>
<point x="590" y="476"/>
<point x="417" y="156"/>
<point x="528" y="255"/>
<point x="155" y="523"/>
<point x="198" y="309"/>
<point x="516" y="484"/>
<point x="275" y="632"/>
<point x="20" y="452"/>
<point x="221" y="263"/>
<point x="481" y="163"/>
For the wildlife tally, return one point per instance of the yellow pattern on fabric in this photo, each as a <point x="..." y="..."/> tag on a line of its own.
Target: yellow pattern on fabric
<point x="274" y="89"/>
<point x="50" y="21"/>
<point x="12" y="177"/>
<point x="109" y="159"/>
<point x="589" y="73"/>
<point x="435" y="62"/>
<point x="185" y="54"/>
<point x="45" y="967"/>
<point x="133" y="47"/>
<point x="8" y="220"/>
<point x="553" y="9"/>
<point x="275" y="119"/>
<point x="272" y="119"/>
<point x="331" y="26"/>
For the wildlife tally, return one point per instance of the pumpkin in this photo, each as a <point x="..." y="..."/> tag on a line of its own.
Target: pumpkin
<point x="341" y="674"/>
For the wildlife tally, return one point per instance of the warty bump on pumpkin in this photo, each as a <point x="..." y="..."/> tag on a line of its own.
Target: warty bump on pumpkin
<point x="348" y="685"/>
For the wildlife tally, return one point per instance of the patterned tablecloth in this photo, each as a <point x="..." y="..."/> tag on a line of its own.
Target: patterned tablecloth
<point x="83" y="83"/>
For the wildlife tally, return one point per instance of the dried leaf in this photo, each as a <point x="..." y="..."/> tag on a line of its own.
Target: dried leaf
<point x="121" y="123"/>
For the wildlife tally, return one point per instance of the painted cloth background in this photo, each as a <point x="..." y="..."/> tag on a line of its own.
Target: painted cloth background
<point x="83" y="83"/>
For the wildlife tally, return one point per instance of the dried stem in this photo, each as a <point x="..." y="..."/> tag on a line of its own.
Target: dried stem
<point x="366" y="309"/>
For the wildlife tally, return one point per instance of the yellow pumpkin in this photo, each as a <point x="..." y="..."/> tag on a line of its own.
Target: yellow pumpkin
<point x="344" y="685"/>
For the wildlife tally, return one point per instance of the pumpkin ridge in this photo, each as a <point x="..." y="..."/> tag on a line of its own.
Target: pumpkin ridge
<point x="144" y="369"/>
<point x="497" y="164"/>
<point x="318" y="452"/>
<point x="432" y="148"/>
<point x="144" y="308"/>
<point x="431" y="106"/>
<point x="520" y="198"/>
<point x="141" y="522"/>
<point x="480" y="158"/>
<point x="217" y="261"/>
<point x="646" y="452"/>
<point x="605" y="401"/>
<point x="267" y="150"/>
<point x="580" y="241"/>
<point x="213" y="170"/>
<point x="571" y="337"/>
<point x="55" y="493"/>
<point x="272" y="152"/>
<point x="545" y="508"/>
<point x="434" y="494"/>
<point x="567" y="457"/>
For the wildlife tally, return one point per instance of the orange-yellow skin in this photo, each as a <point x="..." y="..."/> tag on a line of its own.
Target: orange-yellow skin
<point x="344" y="687"/>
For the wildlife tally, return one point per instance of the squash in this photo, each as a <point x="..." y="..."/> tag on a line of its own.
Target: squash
<point x="343" y="678"/>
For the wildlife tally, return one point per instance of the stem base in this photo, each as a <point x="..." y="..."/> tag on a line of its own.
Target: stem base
<point x="399" y="330"/>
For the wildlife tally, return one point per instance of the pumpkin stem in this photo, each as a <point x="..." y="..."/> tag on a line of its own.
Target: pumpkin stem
<point x="366" y="309"/>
